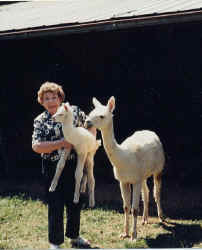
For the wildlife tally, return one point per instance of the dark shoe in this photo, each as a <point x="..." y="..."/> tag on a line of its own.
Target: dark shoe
<point x="80" y="243"/>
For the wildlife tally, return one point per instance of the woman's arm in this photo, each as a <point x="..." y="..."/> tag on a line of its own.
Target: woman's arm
<point x="40" y="146"/>
<point x="49" y="146"/>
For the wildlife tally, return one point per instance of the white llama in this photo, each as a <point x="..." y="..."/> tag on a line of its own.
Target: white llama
<point x="85" y="144"/>
<point x="134" y="160"/>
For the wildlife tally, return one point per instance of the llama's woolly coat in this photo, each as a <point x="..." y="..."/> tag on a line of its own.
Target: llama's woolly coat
<point x="85" y="145"/>
<point x="134" y="160"/>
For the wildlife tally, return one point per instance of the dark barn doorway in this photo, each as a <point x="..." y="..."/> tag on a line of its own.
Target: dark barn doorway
<point x="155" y="73"/>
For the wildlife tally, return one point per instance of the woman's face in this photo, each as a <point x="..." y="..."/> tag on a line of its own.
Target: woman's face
<point x="51" y="102"/>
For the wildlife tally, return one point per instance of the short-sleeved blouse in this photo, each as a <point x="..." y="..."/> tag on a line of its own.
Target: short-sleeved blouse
<point x="45" y="129"/>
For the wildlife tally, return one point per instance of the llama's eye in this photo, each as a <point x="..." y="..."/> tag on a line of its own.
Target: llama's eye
<point x="60" y="115"/>
<point x="101" y="116"/>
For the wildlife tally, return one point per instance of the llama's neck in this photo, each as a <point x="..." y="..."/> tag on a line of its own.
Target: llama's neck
<point x="70" y="132"/>
<point x="111" y="146"/>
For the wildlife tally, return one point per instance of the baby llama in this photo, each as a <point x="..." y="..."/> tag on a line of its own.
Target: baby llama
<point x="85" y="144"/>
<point x="134" y="160"/>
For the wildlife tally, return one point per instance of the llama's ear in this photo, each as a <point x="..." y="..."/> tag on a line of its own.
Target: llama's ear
<point x="96" y="102"/>
<point x="66" y="106"/>
<point x="111" y="104"/>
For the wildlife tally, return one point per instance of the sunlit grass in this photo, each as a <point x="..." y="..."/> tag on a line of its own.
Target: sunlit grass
<point x="24" y="225"/>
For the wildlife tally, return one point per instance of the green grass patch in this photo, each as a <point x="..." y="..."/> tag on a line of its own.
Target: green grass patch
<point x="24" y="225"/>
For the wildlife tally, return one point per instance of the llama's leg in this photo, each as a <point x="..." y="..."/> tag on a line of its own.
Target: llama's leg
<point x="135" y="208"/>
<point x="59" y="168"/>
<point x="83" y="181"/>
<point x="126" y="196"/>
<point x="145" y="197"/>
<point x="157" y="194"/>
<point x="78" y="176"/>
<point x="91" y="180"/>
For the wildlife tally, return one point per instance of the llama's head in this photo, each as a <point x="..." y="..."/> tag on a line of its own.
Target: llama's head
<point x="101" y="115"/>
<point x="64" y="113"/>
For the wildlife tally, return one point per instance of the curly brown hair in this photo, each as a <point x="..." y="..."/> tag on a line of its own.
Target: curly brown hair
<point x="50" y="87"/>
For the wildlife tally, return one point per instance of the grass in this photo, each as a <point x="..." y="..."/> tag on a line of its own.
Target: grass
<point x="23" y="224"/>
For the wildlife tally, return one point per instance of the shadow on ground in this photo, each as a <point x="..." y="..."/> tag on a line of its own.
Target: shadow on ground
<point x="178" y="236"/>
<point x="178" y="202"/>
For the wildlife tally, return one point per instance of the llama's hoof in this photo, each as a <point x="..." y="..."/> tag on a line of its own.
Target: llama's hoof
<point x="83" y="190"/>
<point x="75" y="201"/>
<point x="51" y="189"/>
<point x="76" y="198"/>
<point x="124" y="236"/>
<point x="134" y="236"/>
<point x="92" y="204"/>
<point x="144" y="221"/>
<point x="162" y="218"/>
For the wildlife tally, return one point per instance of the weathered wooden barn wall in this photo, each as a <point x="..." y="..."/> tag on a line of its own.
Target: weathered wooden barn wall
<point x="155" y="73"/>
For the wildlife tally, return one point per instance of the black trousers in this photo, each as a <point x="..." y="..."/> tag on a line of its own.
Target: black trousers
<point x="59" y="199"/>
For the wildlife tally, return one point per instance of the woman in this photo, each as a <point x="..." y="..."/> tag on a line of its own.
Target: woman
<point x="48" y="140"/>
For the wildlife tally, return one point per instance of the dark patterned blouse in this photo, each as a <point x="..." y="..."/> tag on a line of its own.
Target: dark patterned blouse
<point x="45" y="129"/>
